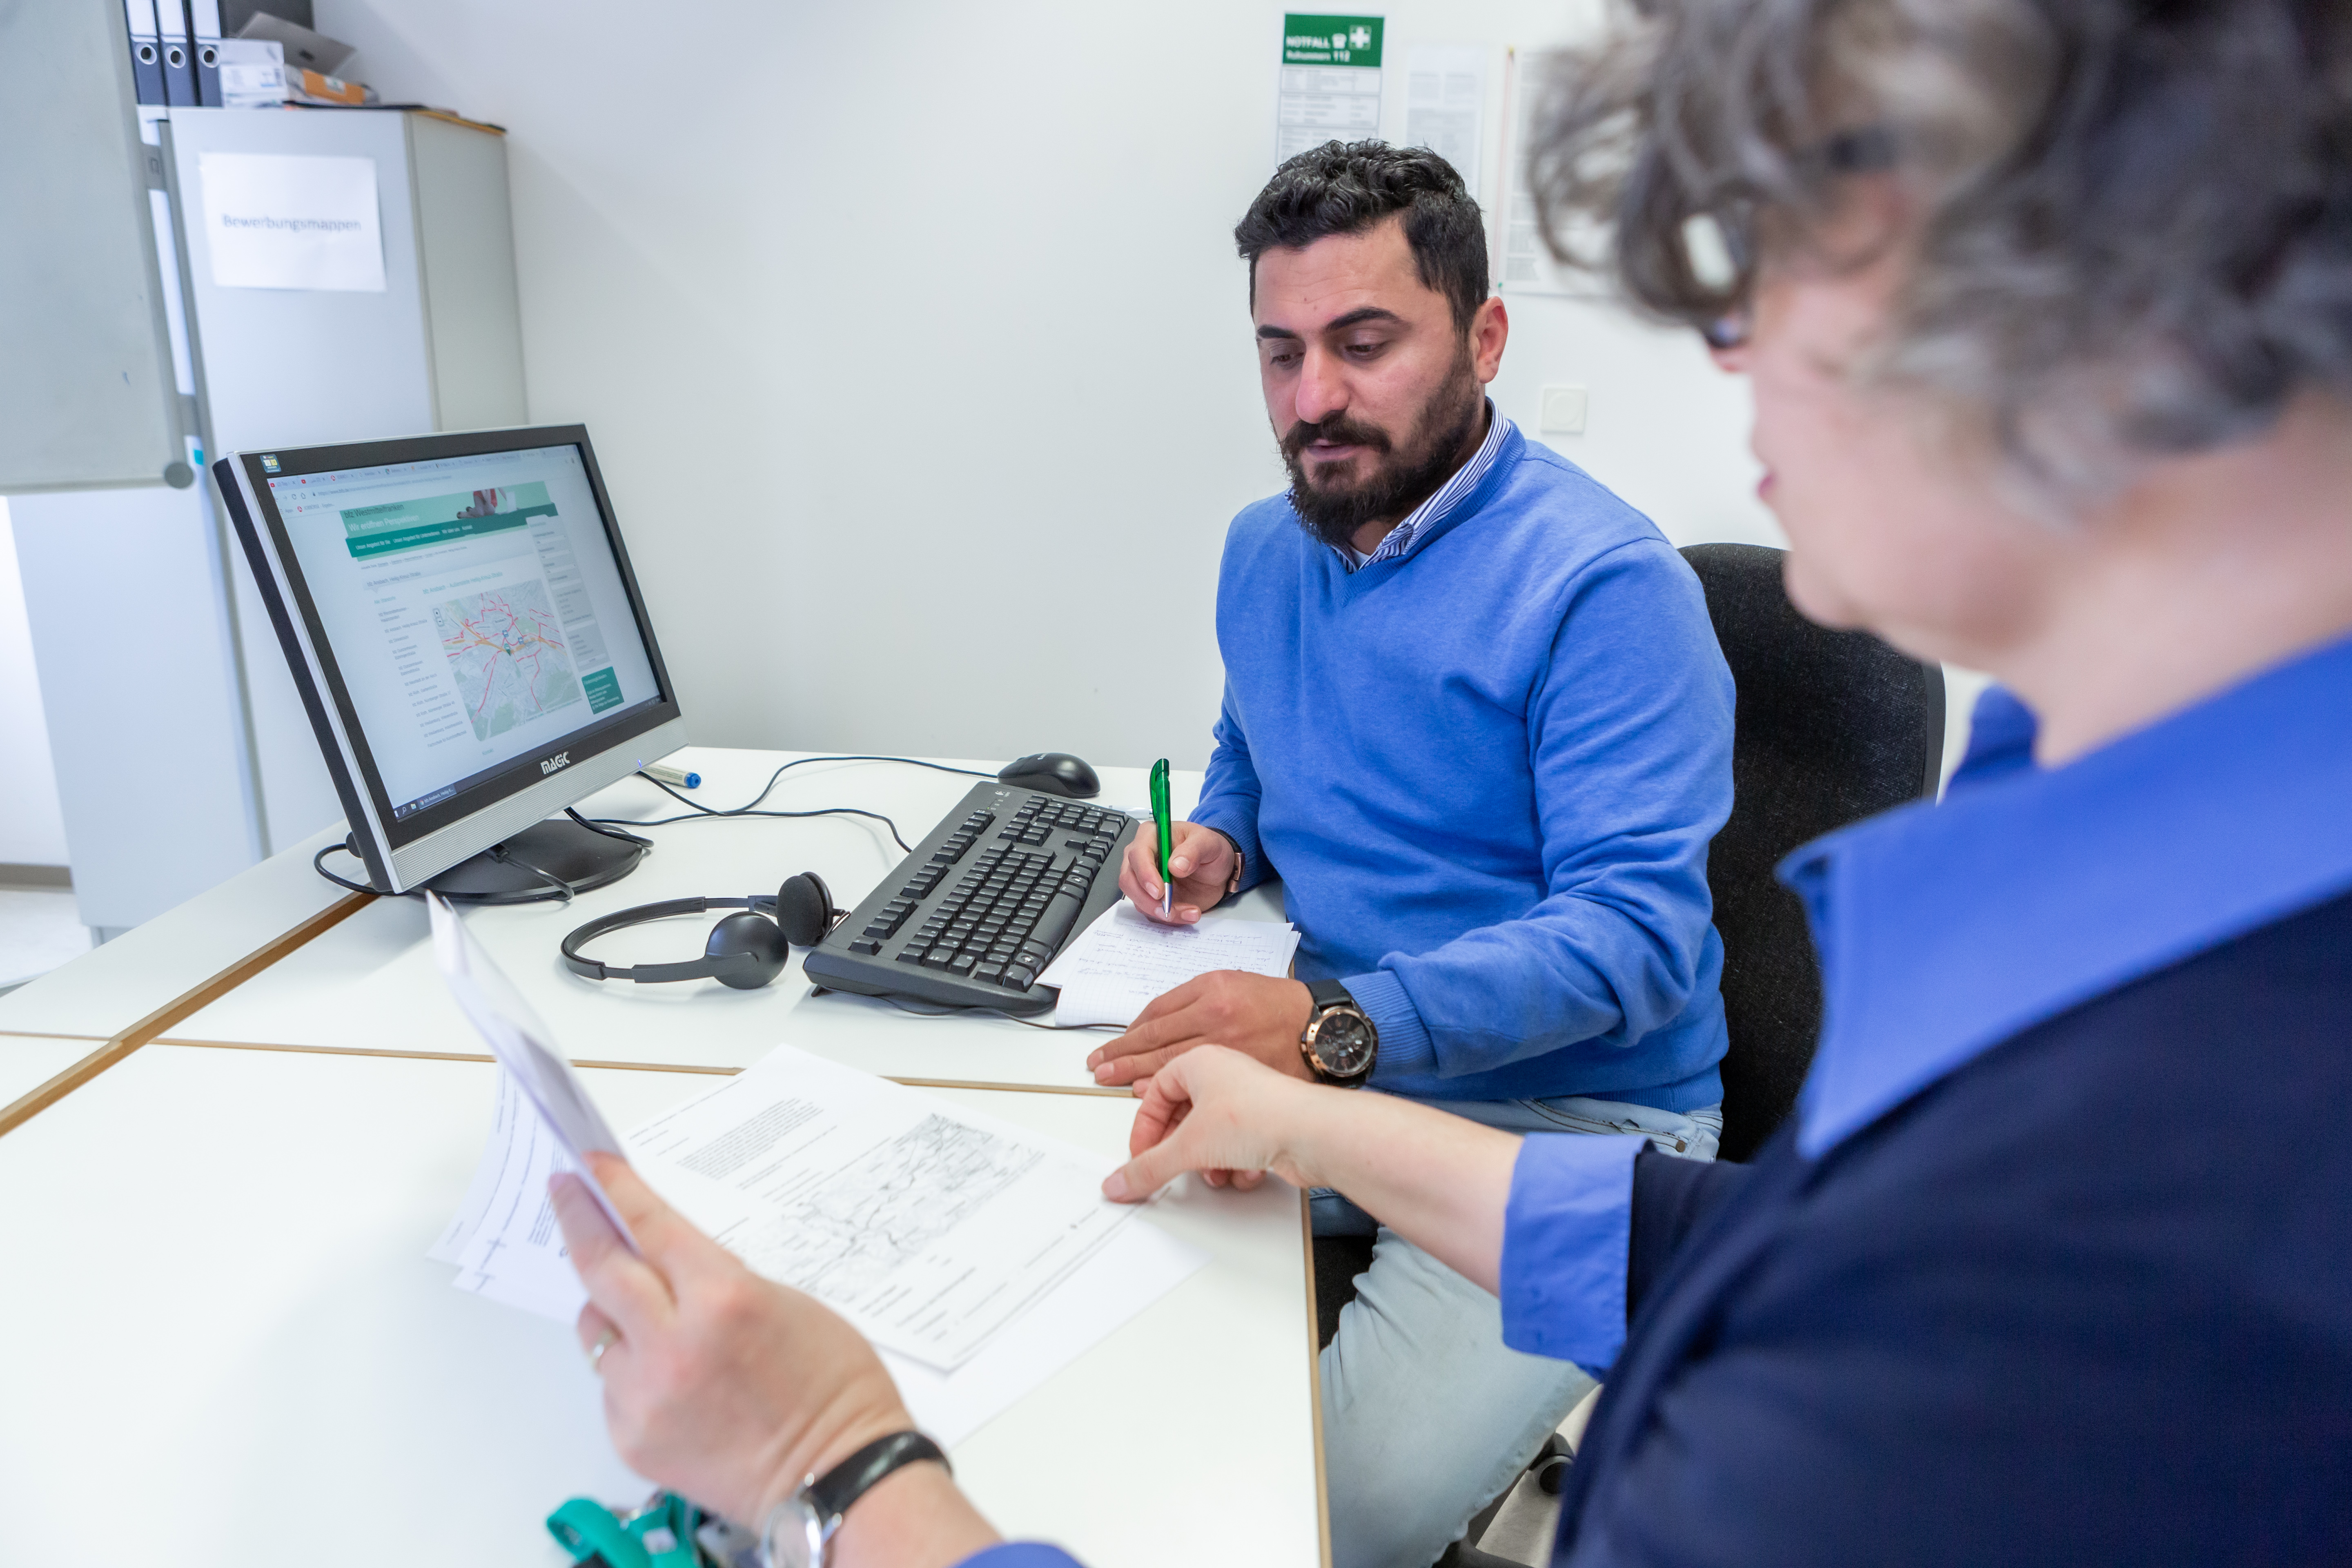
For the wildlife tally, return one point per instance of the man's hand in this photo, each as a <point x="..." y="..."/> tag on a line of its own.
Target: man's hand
<point x="1256" y="1014"/>
<point x="731" y="1389"/>
<point x="1199" y="862"/>
<point x="1218" y="1112"/>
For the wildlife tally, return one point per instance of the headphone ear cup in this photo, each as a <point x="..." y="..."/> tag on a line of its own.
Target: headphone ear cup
<point x="803" y="909"/>
<point x="748" y="935"/>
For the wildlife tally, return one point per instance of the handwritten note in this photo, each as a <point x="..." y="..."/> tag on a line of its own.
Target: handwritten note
<point x="1120" y="964"/>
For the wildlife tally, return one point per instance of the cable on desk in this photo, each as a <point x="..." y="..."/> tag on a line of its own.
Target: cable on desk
<point x="798" y="762"/>
<point x="944" y="1012"/>
<point x="560" y="888"/>
<point x="703" y="813"/>
<point x="695" y="808"/>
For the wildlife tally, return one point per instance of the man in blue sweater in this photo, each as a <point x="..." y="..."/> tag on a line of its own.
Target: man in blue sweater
<point x="1476" y="722"/>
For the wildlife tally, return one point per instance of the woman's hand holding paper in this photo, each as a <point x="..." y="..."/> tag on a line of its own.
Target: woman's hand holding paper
<point x="731" y="1390"/>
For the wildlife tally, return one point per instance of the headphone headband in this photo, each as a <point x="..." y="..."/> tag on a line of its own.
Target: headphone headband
<point x="746" y="950"/>
<point x="694" y="969"/>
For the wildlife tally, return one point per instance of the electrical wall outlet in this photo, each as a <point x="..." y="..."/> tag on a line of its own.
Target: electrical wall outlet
<point x="1563" y="410"/>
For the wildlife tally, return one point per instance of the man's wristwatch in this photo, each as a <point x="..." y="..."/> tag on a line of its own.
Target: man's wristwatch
<point x="1340" y="1043"/>
<point x="800" y="1529"/>
<point x="1241" y="861"/>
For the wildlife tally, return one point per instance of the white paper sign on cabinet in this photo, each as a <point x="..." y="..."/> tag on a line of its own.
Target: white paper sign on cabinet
<point x="274" y="221"/>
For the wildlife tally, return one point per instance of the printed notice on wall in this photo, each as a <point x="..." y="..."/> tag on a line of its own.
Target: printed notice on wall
<point x="1445" y="103"/>
<point x="273" y="221"/>
<point x="1525" y="262"/>
<point x="1330" y="84"/>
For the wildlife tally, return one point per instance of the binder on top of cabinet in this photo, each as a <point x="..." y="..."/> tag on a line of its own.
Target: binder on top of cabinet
<point x="204" y="45"/>
<point x="179" y="64"/>
<point x="146" y="52"/>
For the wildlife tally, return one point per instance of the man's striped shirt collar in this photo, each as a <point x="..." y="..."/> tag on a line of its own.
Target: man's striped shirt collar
<point x="1449" y="496"/>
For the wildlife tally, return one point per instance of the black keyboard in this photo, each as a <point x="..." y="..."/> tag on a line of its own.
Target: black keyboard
<point x="988" y="898"/>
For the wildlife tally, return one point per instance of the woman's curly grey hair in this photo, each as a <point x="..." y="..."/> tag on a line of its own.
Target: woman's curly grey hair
<point x="2136" y="232"/>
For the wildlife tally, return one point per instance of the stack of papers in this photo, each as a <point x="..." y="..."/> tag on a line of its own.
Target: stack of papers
<point x="978" y="1257"/>
<point x="1117" y="966"/>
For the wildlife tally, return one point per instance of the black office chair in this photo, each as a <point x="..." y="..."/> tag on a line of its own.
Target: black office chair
<point x="1832" y="727"/>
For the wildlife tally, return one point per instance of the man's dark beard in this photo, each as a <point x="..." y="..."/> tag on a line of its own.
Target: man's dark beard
<point x="1396" y="486"/>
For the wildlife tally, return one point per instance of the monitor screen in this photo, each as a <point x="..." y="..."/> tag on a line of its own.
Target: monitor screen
<point x="475" y="610"/>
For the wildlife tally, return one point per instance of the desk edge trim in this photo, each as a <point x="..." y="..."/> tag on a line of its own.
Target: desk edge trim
<point x="612" y="1066"/>
<point x="22" y="1108"/>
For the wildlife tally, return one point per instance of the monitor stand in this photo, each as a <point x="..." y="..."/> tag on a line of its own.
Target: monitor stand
<point x="580" y="857"/>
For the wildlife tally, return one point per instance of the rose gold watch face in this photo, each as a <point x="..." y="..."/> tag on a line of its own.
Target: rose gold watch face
<point x="1343" y="1043"/>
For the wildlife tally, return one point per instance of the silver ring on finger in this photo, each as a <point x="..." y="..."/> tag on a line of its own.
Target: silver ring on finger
<point x="604" y="1342"/>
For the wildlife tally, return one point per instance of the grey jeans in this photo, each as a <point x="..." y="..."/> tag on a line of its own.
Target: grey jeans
<point x="1427" y="1416"/>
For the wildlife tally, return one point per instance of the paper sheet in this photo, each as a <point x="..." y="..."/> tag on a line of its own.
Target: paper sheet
<point x="279" y="221"/>
<point x="1446" y="104"/>
<point x="1331" y="83"/>
<point x="929" y="1226"/>
<point x="508" y="1250"/>
<point x="1524" y="264"/>
<point x="1117" y="966"/>
<point x="525" y="1048"/>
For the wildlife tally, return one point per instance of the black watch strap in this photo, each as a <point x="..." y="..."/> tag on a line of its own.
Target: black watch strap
<point x="1329" y="993"/>
<point x="832" y="1493"/>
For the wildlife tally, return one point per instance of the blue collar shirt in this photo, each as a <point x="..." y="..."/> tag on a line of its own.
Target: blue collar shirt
<point x="1945" y="930"/>
<point x="1398" y="540"/>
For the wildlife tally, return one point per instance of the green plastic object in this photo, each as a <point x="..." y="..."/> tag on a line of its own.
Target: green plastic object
<point x="658" y="1535"/>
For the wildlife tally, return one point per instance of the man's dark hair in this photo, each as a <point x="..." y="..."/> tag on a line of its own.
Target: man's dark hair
<point x="1347" y="187"/>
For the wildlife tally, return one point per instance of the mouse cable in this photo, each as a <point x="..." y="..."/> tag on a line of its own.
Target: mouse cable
<point x="946" y="1012"/>
<point x="704" y="814"/>
<point x="797" y="761"/>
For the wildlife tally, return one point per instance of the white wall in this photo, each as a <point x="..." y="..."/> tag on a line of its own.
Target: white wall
<point x="886" y="316"/>
<point x="32" y="829"/>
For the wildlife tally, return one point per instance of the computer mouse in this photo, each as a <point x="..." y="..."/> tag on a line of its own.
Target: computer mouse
<point x="1055" y="773"/>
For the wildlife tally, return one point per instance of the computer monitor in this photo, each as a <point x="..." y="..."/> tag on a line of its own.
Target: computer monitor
<point x="473" y="650"/>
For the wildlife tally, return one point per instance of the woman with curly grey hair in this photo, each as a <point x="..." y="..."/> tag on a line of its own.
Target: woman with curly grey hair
<point x="2047" y="308"/>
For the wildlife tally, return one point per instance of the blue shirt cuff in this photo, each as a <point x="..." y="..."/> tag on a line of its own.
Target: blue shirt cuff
<point x="1405" y="1046"/>
<point x="1245" y="837"/>
<point x="1565" y="1233"/>
<point x="1020" y="1555"/>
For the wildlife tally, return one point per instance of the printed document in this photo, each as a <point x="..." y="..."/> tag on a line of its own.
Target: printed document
<point x="507" y="1248"/>
<point x="978" y="1257"/>
<point x="525" y="1048"/>
<point x="1120" y="964"/>
<point x="927" y="1225"/>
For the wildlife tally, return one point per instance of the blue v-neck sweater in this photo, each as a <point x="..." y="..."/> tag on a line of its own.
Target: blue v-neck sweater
<point x="1486" y="773"/>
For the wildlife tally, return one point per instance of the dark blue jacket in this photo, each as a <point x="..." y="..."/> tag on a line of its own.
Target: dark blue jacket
<point x="2086" y="1299"/>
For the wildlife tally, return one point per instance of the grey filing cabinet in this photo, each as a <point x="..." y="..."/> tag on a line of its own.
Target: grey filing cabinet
<point x="182" y="753"/>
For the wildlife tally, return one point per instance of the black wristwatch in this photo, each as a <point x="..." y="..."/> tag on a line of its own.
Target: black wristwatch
<point x="800" y="1530"/>
<point x="1340" y="1043"/>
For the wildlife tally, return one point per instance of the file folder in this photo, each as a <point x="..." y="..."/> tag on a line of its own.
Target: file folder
<point x="146" y="54"/>
<point x="205" y="42"/>
<point x="179" y="62"/>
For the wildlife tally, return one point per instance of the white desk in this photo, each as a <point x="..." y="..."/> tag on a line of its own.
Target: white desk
<point x="368" y="984"/>
<point x="229" y="1347"/>
<point x="28" y="1061"/>
<point x="107" y="990"/>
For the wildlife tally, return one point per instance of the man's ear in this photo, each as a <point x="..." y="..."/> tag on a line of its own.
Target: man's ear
<point x="1490" y="328"/>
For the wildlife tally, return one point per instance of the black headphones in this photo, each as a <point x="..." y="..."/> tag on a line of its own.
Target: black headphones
<point x="745" y="950"/>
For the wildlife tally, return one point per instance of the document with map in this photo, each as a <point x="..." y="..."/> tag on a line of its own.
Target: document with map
<point x="927" y="1225"/>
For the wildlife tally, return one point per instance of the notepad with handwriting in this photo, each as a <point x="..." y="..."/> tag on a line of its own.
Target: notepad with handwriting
<point x="1120" y="964"/>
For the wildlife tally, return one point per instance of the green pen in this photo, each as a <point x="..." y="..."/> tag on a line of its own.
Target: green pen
<point x="1166" y="833"/>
